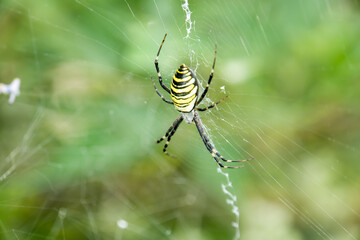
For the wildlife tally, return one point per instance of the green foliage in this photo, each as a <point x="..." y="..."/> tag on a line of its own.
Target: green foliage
<point x="78" y="150"/>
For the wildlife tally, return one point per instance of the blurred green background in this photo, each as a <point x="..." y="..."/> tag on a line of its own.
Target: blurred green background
<point x="78" y="152"/>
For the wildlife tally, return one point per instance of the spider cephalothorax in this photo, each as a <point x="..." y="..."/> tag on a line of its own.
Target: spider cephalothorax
<point x="184" y="93"/>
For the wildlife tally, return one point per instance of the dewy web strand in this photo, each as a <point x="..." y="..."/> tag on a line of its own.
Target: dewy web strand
<point x="188" y="21"/>
<point x="231" y="201"/>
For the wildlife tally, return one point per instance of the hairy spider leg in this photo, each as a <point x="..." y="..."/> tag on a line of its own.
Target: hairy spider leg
<point x="169" y="137"/>
<point x="209" y="81"/>
<point x="157" y="67"/>
<point x="159" y="93"/>
<point x="212" y="105"/>
<point x="176" y="122"/>
<point x="215" y="154"/>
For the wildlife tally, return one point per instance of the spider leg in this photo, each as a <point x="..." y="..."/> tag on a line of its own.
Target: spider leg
<point x="209" y="81"/>
<point x="169" y="137"/>
<point x="159" y="93"/>
<point x="176" y="122"/>
<point x="157" y="67"/>
<point x="212" y="105"/>
<point x="214" y="153"/>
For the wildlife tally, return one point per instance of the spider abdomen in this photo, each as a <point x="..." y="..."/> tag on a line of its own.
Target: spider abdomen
<point x="184" y="89"/>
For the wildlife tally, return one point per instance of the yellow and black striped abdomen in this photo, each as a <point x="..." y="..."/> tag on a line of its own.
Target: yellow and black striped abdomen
<point x="184" y="89"/>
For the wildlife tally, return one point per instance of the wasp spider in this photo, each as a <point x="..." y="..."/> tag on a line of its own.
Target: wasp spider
<point x="184" y="91"/>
